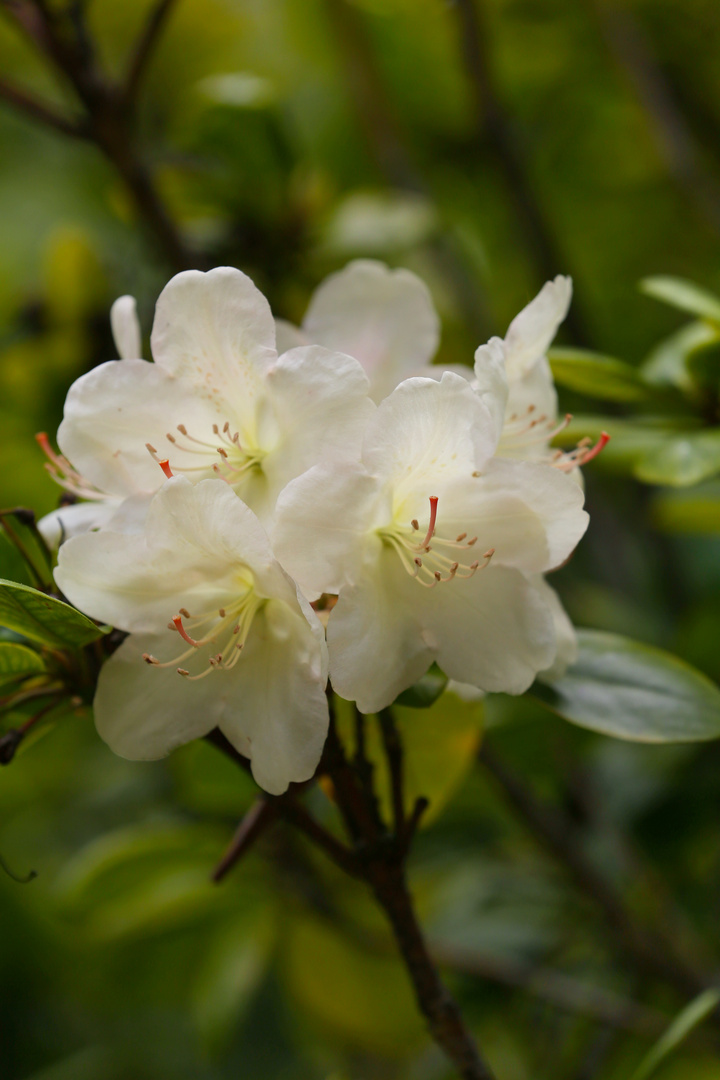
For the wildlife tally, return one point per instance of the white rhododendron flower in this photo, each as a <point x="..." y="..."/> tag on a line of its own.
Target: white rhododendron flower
<point x="219" y="635"/>
<point x="217" y="401"/>
<point x="530" y="418"/>
<point x="384" y="318"/>
<point x="433" y="545"/>
<point x="96" y="508"/>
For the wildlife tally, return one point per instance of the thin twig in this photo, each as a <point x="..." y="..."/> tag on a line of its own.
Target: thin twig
<point x="108" y="119"/>
<point x="259" y="817"/>
<point x="145" y="47"/>
<point x="291" y="810"/>
<point x="413" y="822"/>
<point x="393" y="752"/>
<point x="16" y="877"/>
<point x="38" y="110"/>
<point x="652" y="952"/>
<point x="10" y="741"/>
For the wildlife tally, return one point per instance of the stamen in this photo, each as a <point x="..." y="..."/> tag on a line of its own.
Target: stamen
<point x="185" y="613"/>
<point x="433" y="519"/>
<point x="597" y="448"/>
<point x="150" y="659"/>
<point x="177" y="621"/>
<point x="415" y="524"/>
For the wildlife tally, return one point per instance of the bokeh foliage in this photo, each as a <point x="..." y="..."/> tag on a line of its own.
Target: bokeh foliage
<point x="287" y="138"/>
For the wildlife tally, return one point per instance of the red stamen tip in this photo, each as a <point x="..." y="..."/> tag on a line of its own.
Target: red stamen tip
<point x="597" y="448"/>
<point x="177" y="621"/>
<point x="165" y="466"/>
<point x="433" y="518"/>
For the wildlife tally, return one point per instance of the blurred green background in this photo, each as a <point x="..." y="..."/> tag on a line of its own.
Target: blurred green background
<point x="487" y="146"/>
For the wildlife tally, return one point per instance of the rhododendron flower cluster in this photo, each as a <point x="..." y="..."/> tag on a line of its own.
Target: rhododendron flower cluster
<point x="254" y="474"/>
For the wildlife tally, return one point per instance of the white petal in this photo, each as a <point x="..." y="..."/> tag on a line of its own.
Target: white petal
<point x="113" y="411"/>
<point x="125" y="327"/>
<point x="531" y="332"/>
<point x="566" y="638"/>
<point x="530" y="415"/>
<point x="74" y="520"/>
<point x="493" y="630"/>
<point x="288" y="336"/>
<point x="323" y="523"/>
<point x="531" y="514"/>
<point x="491" y="381"/>
<point x="217" y="332"/>
<point x="385" y="318"/>
<point x="197" y="539"/>
<point x="278" y="714"/>
<point x="144" y="712"/>
<point x="209" y="518"/>
<point x="321" y="405"/>
<point x="375" y="638"/>
<point x="426" y="431"/>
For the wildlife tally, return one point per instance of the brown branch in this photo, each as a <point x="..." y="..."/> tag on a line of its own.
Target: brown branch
<point x="291" y="811"/>
<point x="145" y="47"/>
<point x="393" y="752"/>
<point x="30" y="105"/>
<point x="108" y="119"/>
<point x="434" y="1001"/>
<point x="259" y="817"/>
<point x="653" y="953"/>
<point x="383" y="868"/>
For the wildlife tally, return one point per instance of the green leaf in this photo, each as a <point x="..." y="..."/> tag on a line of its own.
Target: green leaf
<point x="349" y="990"/>
<point x="666" y="364"/>
<point x="682" y="1025"/>
<point x="684" y="295"/>
<point x="633" y="691"/>
<point x="17" y="661"/>
<point x="703" y="364"/>
<point x="597" y="376"/>
<point x="682" y="460"/>
<point x="694" y="512"/>
<point x="42" y="618"/>
<point x="426" y="691"/>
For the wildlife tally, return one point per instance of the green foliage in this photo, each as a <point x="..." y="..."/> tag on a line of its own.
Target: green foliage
<point x="634" y="691"/>
<point x="17" y="662"/>
<point x="683" y="1024"/>
<point x="683" y="295"/>
<point x="287" y="138"/>
<point x="598" y="376"/>
<point x="44" y="619"/>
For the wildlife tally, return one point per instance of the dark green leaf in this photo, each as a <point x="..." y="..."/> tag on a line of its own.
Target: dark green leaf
<point x="597" y="376"/>
<point x="42" y="618"/>
<point x="684" y="295"/>
<point x="17" y="661"/>
<point x="633" y="691"/>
